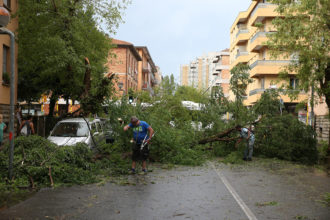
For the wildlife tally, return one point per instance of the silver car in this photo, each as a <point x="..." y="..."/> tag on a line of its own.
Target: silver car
<point x="76" y="130"/>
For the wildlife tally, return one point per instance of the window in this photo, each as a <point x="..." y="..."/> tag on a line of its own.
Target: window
<point x="262" y="83"/>
<point x="294" y="83"/>
<point x="264" y="55"/>
<point x="7" y="3"/>
<point x="5" y="53"/>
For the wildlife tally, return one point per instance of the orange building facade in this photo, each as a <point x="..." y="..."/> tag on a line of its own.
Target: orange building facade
<point x="123" y="62"/>
<point x="5" y="71"/>
<point x="147" y="71"/>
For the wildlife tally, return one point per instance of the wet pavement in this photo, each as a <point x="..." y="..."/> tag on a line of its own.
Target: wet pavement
<point x="187" y="193"/>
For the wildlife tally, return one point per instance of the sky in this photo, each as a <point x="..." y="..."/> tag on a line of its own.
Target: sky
<point x="178" y="31"/>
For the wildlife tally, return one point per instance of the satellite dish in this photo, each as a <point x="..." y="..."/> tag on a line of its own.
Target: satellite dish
<point x="4" y="17"/>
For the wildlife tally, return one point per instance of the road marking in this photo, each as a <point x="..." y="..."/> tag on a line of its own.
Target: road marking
<point x="238" y="199"/>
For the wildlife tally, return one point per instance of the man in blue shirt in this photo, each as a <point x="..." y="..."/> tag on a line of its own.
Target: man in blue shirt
<point x="140" y="136"/>
<point x="249" y="137"/>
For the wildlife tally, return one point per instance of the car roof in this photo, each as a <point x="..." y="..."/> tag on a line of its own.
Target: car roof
<point x="79" y="120"/>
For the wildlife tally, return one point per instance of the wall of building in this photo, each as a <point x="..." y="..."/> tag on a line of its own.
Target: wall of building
<point x="5" y="42"/>
<point x="184" y="72"/>
<point x="125" y="65"/>
<point x="248" y="47"/>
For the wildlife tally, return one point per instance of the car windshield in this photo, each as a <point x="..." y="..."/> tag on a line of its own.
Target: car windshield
<point x="71" y="129"/>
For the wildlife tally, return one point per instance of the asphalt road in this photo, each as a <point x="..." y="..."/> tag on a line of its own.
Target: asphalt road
<point x="213" y="191"/>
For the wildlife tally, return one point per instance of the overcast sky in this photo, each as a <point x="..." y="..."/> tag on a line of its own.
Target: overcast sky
<point x="178" y="31"/>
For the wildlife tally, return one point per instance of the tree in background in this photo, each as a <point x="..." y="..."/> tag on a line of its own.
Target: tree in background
<point x="303" y="31"/>
<point x="239" y="81"/>
<point x="167" y="86"/>
<point x="62" y="50"/>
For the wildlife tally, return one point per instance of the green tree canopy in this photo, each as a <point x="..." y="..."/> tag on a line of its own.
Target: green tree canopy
<point x="303" y="33"/>
<point x="61" y="46"/>
<point x="240" y="79"/>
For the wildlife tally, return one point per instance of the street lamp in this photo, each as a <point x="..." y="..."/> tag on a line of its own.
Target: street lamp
<point x="4" y="20"/>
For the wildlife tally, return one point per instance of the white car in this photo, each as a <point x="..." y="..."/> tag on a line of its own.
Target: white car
<point x="76" y="130"/>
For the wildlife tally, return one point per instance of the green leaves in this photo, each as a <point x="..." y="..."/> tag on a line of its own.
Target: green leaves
<point x="54" y="39"/>
<point x="303" y="29"/>
<point x="285" y="137"/>
<point x="239" y="80"/>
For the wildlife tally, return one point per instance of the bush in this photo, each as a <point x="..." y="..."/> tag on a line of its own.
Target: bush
<point x="322" y="151"/>
<point x="285" y="137"/>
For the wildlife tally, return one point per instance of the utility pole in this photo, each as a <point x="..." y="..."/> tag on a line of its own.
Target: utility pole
<point x="4" y="20"/>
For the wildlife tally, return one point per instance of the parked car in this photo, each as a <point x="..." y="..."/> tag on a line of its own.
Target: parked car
<point x="77" y="130"/>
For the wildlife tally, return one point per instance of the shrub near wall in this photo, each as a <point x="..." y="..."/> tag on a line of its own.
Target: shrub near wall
<point x="285" y="137"/>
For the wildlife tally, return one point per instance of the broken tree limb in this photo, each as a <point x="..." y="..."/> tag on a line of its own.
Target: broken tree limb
<point x="221" y="136"/>
<point x="50" y="177"/>
<point x="217" y="137"/>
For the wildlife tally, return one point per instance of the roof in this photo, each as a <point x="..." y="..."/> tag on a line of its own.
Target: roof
<point x="120" y="42"/>
<point x="130" y="46"/>
<point x="146" y="51"/>
<point x="79" y="120"/>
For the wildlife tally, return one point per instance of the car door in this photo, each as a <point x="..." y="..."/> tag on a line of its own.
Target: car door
<point x="101" y="136"/>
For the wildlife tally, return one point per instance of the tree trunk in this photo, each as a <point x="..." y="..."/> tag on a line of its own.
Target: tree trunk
<point x="52" y="103"/>
<point x="218" y="137"/>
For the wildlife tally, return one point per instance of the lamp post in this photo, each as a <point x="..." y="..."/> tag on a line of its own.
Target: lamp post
<point x="4" y="20"/>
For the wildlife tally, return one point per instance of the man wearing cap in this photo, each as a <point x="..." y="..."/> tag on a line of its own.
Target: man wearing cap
<point x="140" y="135"/>
<point x="246" y="134"/>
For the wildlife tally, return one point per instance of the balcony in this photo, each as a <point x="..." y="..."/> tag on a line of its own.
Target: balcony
<point x="215" y="73"/>
<point x="245" y="53"/>
<point x="255" y="95"/>
<point x="152" y="77"/>
<point x="256" y="91"/>
<point x="148" y="88"/>
<point x="146" y="69"/>
<point x="242" y="57"/>
<point x="262" y="11"/>
<point x="258" y="41"/>
<point x="220" y="67"/>
<point x="242" y="31"/>
<point x="267" y="67"/>
<point x="215" y="59"/>
<point x="242" y="36"/>
<point x="193" y="66"/>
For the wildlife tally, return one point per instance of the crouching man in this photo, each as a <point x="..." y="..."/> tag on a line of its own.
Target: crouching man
<point x="140" y="136"/>
<point x="249" y="137"/>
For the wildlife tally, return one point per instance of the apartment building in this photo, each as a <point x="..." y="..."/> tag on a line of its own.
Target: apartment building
<point x="146" y="71"/>
<point x="207" y="72"/>
<point x="248" y="36"/>
<point x="5" y="71"/>
<point x="158" y="76"/>
<point x="220" y="75"/>
<point x="124" y="63"/>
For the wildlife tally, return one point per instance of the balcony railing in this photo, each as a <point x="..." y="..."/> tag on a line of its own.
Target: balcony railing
<point x="245" y="53"/>
<point x="261" y="5"/>
<point x="260" y="34"/>
<point x="146" y="69"/>
<point x="256" y="91"/>
<point x="280" y="90"/>
<point x="269" y="62"/>
<point x="242" y="31"/>
<point x="220" y="67"/>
